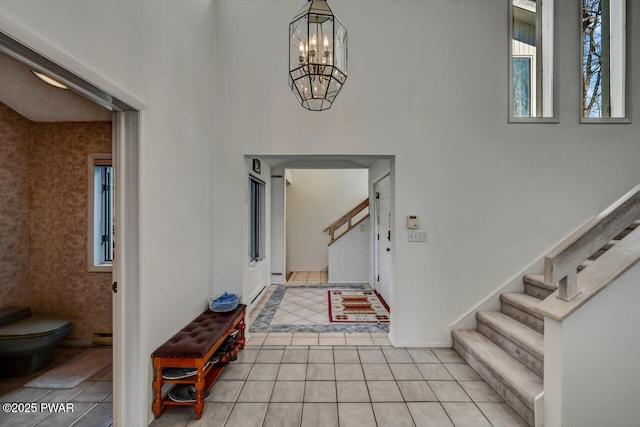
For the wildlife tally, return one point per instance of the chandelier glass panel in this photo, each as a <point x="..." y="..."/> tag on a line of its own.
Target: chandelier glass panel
<point x="317" y="56"/>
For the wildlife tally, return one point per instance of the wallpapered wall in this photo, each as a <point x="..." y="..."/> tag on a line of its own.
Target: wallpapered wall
<point x="14" y="207"/>
<point x="56" y="253"/>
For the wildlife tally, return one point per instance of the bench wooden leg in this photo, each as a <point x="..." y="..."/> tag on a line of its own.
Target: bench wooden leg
<point x="157" y="387"/>
<point x="199" y="400"/>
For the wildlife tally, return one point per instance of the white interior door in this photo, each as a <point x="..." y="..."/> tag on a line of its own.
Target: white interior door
<point x="383" y="238"/>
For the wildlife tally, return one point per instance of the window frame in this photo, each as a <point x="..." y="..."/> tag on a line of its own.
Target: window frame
<point x="257" y="220"/>
<point x="621" y="55"/>
<point x="96" y="256"/>
<point x="548" y="86"/>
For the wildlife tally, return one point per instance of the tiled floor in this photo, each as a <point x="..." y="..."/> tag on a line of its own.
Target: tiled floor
<point x="346" y="385"/>
<point x="91" y="401"/>
<point x="299" y="370"/>
<point x="308" y="278"/>
<point x="301" y="305"/>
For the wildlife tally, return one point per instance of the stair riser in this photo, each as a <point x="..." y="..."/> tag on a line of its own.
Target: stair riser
<point x="536" y="291"/>
<point x="511" y="347"/>
<point x="521" y="316"/>
<point x="518" y="406"/>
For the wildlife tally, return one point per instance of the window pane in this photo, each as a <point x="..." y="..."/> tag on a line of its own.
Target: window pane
<point x="531" y="58"/>
<point x="603" y="58"/>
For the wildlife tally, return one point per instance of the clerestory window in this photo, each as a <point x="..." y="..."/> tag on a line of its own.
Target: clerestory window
<point x="531" y="67"/>
<point x="603" y="60"/>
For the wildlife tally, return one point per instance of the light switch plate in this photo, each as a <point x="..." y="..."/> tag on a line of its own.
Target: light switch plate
<point x="417" y="236"/>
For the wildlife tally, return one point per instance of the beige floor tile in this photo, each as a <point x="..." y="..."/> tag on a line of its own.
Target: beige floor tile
<point x="377" y="372"/>
<point x="332" y="341"/>
<point x="288" y="391"/>
<point x="448" y="391"/>
<point x="346" y="356"/>
<point x="416" y="391"/>
<point x="295" y="355"/>
<point x="320" y="372"/>
<point x="352" y="391"/>
<point x="480" y="391"/>
<point x="215" y="414"/>
<point x="283" y="415"/>
<point x="465" y="414"/>
<point x="256" y="391"/>
<point x="462" y="372"/>
<point x="263" y="372"/>
<point x="359" y="341"/>
<point x="292" y="372"/>
<point x="304" y="341"/>
<point x="381" y="341"/>
<point x="349" y="372"/>
<point x="371" y="356"/>
<point x="247" y="414"/>
<point x="269" y="356"/>
<point x="278" y="341"/>
<point x="225" y="391"/>
<point x="501" y="415"/>
<point x="392" y="414"/>
<point x="429" y="414"/>
<point x="423" y="355"/>
<point x="319" y="415"/>
<point x="384" y="391"/>
<point x="320" y="391"/>
<point x="434" y="371"/>
<point x="405" y="371"/>
<point x="447" y="355"/>
<point x="397" y="355"/>
<point x="356" y="415"/>
<point x="321" y="356"/>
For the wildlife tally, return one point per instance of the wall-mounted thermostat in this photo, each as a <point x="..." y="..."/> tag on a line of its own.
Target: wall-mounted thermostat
<point x="413" y="221"/>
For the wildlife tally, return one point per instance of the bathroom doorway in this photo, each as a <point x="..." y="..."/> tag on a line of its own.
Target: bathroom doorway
<point x="125" y="163"/>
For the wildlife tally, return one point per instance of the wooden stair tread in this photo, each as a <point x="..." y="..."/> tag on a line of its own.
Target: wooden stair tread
<point x="524" y="302"/>
<point x="517" y="332"/>
<point x="515" y="376"/>
<point x="538" y="280"/>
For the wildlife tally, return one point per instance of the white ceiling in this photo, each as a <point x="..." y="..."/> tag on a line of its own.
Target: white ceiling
<point x="26" y="94"/>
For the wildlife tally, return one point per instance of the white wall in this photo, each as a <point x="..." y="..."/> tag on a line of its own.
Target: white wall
<point x="349" y="258"/>
<point x="594" y="379"/>
<point x="160" y="55"/>
<point x="489" y="193"/>
<point x="316" y="199"/>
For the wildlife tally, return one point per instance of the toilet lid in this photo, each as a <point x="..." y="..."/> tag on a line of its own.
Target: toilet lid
<point x="32" y="327"/>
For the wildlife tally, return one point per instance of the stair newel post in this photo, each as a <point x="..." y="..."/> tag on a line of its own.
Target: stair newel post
<point x="568" y="287"/>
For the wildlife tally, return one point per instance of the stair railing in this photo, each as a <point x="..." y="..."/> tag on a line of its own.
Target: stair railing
<point x="348" y="220"/>
<point x="561" y="264"/>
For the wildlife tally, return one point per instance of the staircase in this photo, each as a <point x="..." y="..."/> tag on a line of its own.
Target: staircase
<point x="507" y="348"/>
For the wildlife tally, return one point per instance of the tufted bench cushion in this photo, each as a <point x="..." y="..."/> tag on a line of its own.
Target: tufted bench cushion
<point x="197" y="338"/>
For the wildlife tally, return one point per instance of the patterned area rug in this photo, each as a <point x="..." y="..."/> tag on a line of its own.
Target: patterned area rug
<point x="357" y="307"/>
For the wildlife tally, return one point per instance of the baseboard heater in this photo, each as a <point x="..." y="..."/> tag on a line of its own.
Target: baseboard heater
<point x="102" y="338"/>
<point x="258" y="294"/>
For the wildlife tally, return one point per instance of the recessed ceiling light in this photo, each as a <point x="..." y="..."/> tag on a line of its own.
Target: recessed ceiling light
<point x="49" y="80"/>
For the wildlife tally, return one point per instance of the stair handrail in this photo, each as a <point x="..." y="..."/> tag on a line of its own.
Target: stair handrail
<point x="346" y="219"/>
<point x="561" y="264"/>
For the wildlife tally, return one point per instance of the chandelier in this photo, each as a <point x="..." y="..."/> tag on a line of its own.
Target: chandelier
<point x="317" y="56"/>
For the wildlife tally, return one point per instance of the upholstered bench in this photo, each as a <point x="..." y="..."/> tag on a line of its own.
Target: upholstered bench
<point x="191" y="348"/>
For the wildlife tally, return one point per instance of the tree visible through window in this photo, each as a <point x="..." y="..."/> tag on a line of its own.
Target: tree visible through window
<point x="603" y="58"/>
